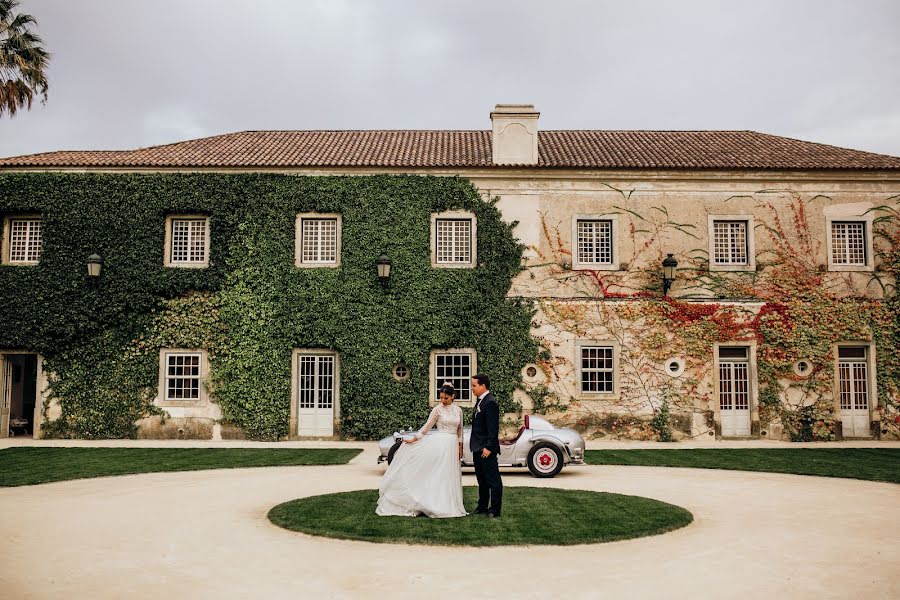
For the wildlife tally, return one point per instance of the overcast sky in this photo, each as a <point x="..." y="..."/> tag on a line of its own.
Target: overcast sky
<point x="127" y="74"/>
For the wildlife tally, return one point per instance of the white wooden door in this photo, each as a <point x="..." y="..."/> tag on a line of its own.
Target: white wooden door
<point x="316" y="379"/>
<point x="734" y="398"/>
<point x="853" y="382"/>
<point x="5" y="395"/>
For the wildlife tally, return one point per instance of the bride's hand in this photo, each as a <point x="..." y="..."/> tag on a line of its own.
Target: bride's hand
<point x="410" y="441"/>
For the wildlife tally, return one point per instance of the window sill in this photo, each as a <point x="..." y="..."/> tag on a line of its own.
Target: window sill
<point x="594" y="267"/>
<point x="187" y="265"/>
<point x="851" y="268"/>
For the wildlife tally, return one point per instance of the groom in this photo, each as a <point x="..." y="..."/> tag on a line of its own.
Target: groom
<point x="485" y="447"/>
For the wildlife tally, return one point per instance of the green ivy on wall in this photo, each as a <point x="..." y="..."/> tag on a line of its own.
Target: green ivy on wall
<point x="252" y="307"/>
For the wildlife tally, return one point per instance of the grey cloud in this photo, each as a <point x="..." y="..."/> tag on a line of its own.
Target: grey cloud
<point x="136" y="73"/>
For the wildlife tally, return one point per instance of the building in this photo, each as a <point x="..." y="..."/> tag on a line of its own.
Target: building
<point x="780" y="319"/>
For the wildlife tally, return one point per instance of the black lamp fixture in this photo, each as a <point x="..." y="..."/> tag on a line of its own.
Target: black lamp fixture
<point x="669" y="265"/>
<point x="94" y="266"/>
<point x="383" y="264"/>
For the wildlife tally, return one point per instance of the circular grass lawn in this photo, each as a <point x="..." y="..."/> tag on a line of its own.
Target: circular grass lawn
<point x="530" y="516"/>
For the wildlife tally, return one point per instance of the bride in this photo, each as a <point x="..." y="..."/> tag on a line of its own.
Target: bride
<point x="425" y="477"/>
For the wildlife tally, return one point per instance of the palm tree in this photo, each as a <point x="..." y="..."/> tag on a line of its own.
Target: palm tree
<point x="23" y="60"/>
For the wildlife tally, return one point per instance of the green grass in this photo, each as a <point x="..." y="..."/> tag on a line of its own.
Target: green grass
<point x="530" y="516"/>
<point x="874" y="464"/>
<point x="29" y="466"/>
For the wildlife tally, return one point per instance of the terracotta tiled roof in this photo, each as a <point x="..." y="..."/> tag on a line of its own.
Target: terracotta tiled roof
<point x="472" y="149"/>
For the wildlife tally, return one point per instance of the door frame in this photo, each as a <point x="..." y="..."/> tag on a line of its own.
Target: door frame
<point x="42" y="394"/>
<point x="294" y="431"/>
<point x="872" y="391"/>
<point x="752" y="383"/>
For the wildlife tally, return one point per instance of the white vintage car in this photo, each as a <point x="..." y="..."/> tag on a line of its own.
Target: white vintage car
<point x="540" y="446"/>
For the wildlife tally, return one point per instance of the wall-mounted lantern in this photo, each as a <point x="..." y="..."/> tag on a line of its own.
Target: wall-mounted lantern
<point x="669" y="265"/>
<point x="383" y="264"/>
<point x="94" y="266"/>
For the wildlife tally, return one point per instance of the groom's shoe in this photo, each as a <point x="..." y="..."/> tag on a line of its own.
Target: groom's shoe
<point x="491" y="515"/>
<point x="481" y="511"/>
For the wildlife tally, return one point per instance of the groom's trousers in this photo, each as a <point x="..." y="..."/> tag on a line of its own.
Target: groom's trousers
<point x="490" y="487"/>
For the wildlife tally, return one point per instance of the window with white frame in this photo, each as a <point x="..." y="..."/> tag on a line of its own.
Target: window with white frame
<point x="596" y="369"/>
<point x="453" y="241"/>
<point x="734" y="378"/>
<point x="188" y="241"/>
<point x="594" y="241"/>
<point x="318" y="240"/>
<point x="730" y="245"/>
<point x="24" y="240"/>
<point x="853" y="378"/>
<point x="455" y="366"/>
<point x="848" y="243"/>
<point x="182" y="379"/>
<point x="315" y="376"/>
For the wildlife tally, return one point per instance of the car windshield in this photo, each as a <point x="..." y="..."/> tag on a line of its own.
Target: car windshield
<point x="539" y="423"/>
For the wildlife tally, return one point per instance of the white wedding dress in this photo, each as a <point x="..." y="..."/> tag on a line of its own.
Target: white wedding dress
<point x="425" y="477"/>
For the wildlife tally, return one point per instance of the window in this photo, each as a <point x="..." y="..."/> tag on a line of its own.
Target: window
<point x="318" y="240"/>
<point x="730" y="242"/>
<point x="23" y="241"/>
<point x="731" y="246"/>
<point x="454" y="240"/>
<point x="187" y="241"/>
<point x="596" y="369"/>
<point x="594" y="242"/>
<point x="853" y="378"/>
<point x="849" y="243"/>
<point x="457" y="367"/>
<point x="316" y="381"/>
<point x="734" y="378"/>
<point x="453" y="236"/>
<point x="181" y="377"/>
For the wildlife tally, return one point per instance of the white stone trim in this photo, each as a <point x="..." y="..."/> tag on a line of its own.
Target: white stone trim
<point x="203" y="401"/>
<point x="616" y="354"/>
<point x="613" y="265"/>
<point x="751" y="243"/>
<point x="867" y="221"/>
<point x="167" y="251"/>
<point x="295" y="384"/>
<point x="432" y="374"/>
<point x="298" y="240"/>
<point x="473" y="254"/>
<point x="752" y="379"/>
<point x="6" y="249"/>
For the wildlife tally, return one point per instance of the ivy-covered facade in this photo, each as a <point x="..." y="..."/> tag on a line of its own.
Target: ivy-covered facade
<point x="248" y="303"/>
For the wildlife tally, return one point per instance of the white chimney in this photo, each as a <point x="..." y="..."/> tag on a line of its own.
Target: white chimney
<point x="515" y="137"/>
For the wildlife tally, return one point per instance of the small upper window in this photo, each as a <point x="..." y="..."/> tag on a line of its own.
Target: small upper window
<point x="848" y="243"/>
<point x="595" y="245"/>
<point x="454" y="240"/>
<point x="594" y="242"/>
<point x="318" y="240"/>
<point x="187" y="241"/>
<point x="731" y="246"/>
<point x="24" y="241"/>
<point x="453" y="236"/>
<point x="730" y="243"/>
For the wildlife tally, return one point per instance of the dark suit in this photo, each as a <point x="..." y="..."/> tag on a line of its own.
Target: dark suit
<point x="485" y="427"/>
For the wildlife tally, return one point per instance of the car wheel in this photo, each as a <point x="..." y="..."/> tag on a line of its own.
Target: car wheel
<point x="393" y="450"/>
<point x="545" y="460"/>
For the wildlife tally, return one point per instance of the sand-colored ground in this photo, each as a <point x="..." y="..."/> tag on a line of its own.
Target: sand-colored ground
<point x="205" y="535"/>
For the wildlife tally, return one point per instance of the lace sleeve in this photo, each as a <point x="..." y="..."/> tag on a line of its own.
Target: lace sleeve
<point x="432" y="419"/>
<point x="459" y="429"/>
